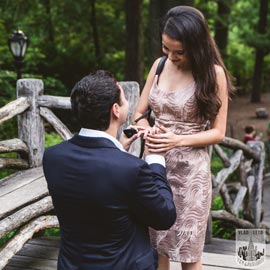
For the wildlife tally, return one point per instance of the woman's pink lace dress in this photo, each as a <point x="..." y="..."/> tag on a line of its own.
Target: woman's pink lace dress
<point x="188" y="171"/>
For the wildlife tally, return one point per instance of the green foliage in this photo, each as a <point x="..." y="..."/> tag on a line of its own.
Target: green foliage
<point x="63" y="47"/>
<point x="52" y="139"/>
<point x="217" y="203"/>
<point x="216" y="163"/>
<point x="6" y="238"/>
<point x="52" y="232"/>
<point x="7" y="86"/>
<point x="7" y="172"/>
<point x="223" y="229"/>
<point x="220" y="228"/>
<point x="209" y="10"/>
<point x="8" y="129"/>
<point x="243" y="40"/>
<point x="52" y="86"/>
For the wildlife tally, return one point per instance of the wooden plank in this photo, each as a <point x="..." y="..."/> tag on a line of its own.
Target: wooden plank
<point x="28" y="263"/>
<point x="226" y="246"/>
<point x="39" y="251"/>
<point x="46" y="241"/>
<point x="223" y="156"/>
<point x="227" y="261"/>
<point x="256" y="197"/>
<point x="30" y="123"/>
<point x="25" y="214"/>
<point x="13" y="145"/>
<point x="23" y="196"/>
<point x="226" y="198"/>
<point x="223" y="174"/>
<point x="12" y="268"/>
<point x="250" y="182"/>
<point x="239" y="199"/>
<point x="238" y="222"/>
<point x="215" y="261"/>
<point x="266" y="201"/>
<point x="19" y="179"/>
<point x="13" y="163"/>
<point x="56" y="123"/>
<point x="13" y="108"/>
<point x="236" y="145"/>
<point x="221" y="246"/>
<point x="54" y="102"/>
<point x="26" y="232"/>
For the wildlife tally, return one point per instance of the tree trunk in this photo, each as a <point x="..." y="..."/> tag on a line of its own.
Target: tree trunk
<point x="260" y="53"/>
<point x="155" y="13"/>
<point x="222" y="26"/>
<point x="134" y="42"/>
<point x="93" y="21"/>
<point x="50" y="29"/>
<point x="157" y="9"/>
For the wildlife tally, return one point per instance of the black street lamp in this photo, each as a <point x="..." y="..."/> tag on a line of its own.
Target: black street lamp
<point x="18" y="44"/>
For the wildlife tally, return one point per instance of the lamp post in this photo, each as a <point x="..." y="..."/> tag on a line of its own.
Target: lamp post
<point x="18" y="44"/>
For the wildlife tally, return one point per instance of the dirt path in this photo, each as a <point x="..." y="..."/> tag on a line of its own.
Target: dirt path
<point x="242" y="112"/>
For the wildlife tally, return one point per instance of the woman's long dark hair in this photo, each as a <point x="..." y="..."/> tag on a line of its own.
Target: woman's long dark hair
<point x="188" y="25"/>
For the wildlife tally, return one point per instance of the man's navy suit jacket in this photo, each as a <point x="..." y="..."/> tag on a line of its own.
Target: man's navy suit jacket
<point x="105" y="199"/>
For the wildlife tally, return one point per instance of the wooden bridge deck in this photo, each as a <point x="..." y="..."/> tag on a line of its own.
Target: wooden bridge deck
<point x="41" y="254"/>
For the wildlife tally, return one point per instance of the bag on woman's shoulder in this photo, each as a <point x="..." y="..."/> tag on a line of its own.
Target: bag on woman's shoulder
<point x="147" y="113"/>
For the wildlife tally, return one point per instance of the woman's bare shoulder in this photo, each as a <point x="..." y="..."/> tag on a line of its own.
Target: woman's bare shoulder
<point x="219" y="70"/>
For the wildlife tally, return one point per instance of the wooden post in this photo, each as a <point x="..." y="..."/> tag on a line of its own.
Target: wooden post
<point x="256" y="194"/>
<point x="30" y="123"/>
<point x="209" y="233"/>
<point x="132" y="93"/>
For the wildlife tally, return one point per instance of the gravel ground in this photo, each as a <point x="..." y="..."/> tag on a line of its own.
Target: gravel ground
<point x="242" y="112"/>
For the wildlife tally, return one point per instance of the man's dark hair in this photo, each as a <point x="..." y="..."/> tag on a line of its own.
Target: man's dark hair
<point x="92" y="99"/>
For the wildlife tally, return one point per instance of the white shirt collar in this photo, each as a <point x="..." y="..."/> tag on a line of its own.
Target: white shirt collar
<point x="100" y="134"/>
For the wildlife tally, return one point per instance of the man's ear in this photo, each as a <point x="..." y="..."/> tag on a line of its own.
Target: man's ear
<point x="115" y="110"/>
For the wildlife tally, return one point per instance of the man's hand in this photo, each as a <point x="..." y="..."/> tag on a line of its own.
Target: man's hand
<point x="126" y="142"/>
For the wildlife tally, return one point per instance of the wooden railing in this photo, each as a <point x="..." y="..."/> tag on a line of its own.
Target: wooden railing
<point x="33" y="108"/>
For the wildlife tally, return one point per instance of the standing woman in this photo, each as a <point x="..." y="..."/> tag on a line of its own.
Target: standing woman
<point x="190" y="93"/>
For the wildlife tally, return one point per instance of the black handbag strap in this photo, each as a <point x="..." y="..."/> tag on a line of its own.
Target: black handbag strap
<point x="147" y="114"/>
<point x="160" y="67"/>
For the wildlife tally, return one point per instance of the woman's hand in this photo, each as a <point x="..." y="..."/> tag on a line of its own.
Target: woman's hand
<point x="162" y="140"/>
<point x="150" y="131"/>
<point x="126" y="142"/>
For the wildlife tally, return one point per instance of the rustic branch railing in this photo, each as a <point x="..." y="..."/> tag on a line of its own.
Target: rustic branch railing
<point x="56" y="123"/>
<point x="32" y="108"/>
<point x="13" y="108"/>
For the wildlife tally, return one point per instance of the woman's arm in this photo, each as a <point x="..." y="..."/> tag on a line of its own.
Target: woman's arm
<point x="168" y="140"/>
<point x="142" y="105"/>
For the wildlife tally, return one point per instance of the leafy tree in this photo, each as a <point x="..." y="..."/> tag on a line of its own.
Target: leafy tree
<point x="69" y="38"/>
<point x="222" y="25"/>
<point x="157" y="9"/>
<point x="241" y="43"/>
<point x="262" y="49"/>
<point x="134" y="41"/>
